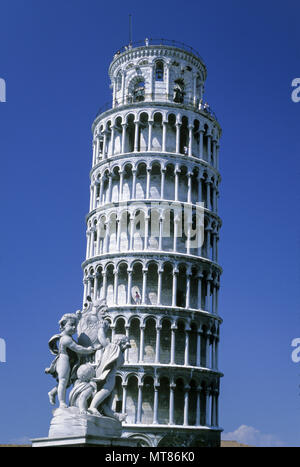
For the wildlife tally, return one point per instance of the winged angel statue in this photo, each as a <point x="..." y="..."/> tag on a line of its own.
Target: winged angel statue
<point x="89" y="365"/>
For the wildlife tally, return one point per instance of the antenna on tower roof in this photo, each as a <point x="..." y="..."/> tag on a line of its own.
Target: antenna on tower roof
<point x="130" y="31"/>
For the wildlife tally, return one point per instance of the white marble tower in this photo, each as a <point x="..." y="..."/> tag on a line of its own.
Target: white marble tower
<point x="152" y="252"/>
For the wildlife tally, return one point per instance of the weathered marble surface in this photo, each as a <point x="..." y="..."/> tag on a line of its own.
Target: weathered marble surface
<point x="70" y="422"/>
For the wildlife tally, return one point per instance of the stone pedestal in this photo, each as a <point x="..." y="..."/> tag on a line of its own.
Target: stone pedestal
<point x="69" y="427"/>
<point x="84" y="442"/>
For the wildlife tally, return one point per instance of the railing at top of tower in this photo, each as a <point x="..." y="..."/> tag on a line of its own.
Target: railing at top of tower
<point x="202" y="106"/>
<point x="151" y="41"/>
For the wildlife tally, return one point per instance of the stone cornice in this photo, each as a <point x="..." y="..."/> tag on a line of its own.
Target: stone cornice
<point x="165" y="104"/>
<point x="111" y="207"/>
<point x="160" y="51"/>
<point x="156" y="155"/>
<point x="163" y="310"/>
<point x="161" y="255"/>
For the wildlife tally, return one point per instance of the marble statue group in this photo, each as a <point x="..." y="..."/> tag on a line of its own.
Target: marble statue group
<point x="89" y="365"/>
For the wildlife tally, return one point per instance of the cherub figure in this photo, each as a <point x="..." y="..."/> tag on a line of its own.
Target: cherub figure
<point x="63" y="368"/>
<point x="111" y="360"/>
<point x="84" y="388"/>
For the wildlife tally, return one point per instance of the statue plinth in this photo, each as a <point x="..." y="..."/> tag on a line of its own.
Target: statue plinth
<point x="69" y="427"/>
<point x="70" y="422"/>
<point x="91" y="368"/>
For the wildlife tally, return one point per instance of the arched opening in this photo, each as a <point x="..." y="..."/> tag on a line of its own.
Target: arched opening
<point x="112" y="233"/>
<point x="127" y="183"/>
<point x="115" y="185"/>
<point x="171" y="139"/>
<point x="180" y="343"/>
<point x="134" y="337"/>
<point x="159" y="71"/>
<point x="157" y="132"/>
<point x="118" y="136"/>
<point x="184" y="134"/>
<point x="152" y="281"/>
<point x="141" y="181"/>
<point x="165" y="342"/>
<point x="168" y="229"/>
<point x="143" y="126"/>
<point x="179" y="402"/>
<point x="167" y="281"/>
<point x="163" y="401"/>
<point x="155" y="181"/>
<point x="148" y="398"/>
<point x="169" y="183"/>
<point x="181" y="287"/>
<point x="182" y="184"/>
<point x="150" y="341"/>
<point x="117" y="400"/>
<point x="193" y="345"/>
<point x="120" y="326"/>
<point x="132" y="399"/>
<point x="122" y="284"/>
<point x="130" y="131"/>
<point x="139" y="90"/>
<point x="124" y="231"/>
<point x="154" y="230"/>
<point x="110" y="285"/>
<point x="137" y="283"/>
<point x="192" y="403"/>
<point x="178" y="95"/>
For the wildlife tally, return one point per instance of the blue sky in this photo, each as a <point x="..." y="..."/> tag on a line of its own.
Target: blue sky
<point x="54" y="56"/>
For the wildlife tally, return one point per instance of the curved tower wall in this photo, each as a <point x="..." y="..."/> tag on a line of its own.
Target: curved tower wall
<point x="152" y="243"/>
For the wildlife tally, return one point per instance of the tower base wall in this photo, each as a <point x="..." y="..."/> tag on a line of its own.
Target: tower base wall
<point x="174" y="437"/>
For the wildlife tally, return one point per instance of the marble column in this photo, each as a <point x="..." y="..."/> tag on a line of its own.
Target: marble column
<point x="116" y="286"/>
<point x="136" y="136"/>
<point x="177" y="149"/>
<point x="150" y="126"/>
<point x="187" y="347"/>
<point x="173" y="330"/>
<point x="171" y="403"/>
<point x="157" y="344"/>
<point x="201" y="132"/>
<point x="190" y="140"/>
<point x="174" y="286"/>
<point x="155" y="403"/>
<point x="164" y="136"/>
<point x="198" y="406"/>
<point x="188" y="289"/>
<point x="198" y="352"/>
<point x="129" y="286"/>
<point x="186" y="405"/>
<point x="142" y="333"/>
<point x="121" y="175"/>
<point x="133" y="183"/>
<point x="104" y="287"/>
<point x="124" y="127"/>
<point x="144" y="289"/>
<point x="124" y="397"/>
<point x="207" y="407"/>
<point x="162" y="183"/>
<point x="159" y="283"/>
<point x="140" y="402"/>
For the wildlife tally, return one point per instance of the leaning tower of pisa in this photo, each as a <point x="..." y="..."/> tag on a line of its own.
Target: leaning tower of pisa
<point x="152" y="241"/>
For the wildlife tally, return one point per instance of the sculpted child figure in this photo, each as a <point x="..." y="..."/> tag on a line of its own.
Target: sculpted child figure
<point x="109" y="361"/>
<point x="64" y="366"/>
<point x="84" y="388"/>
